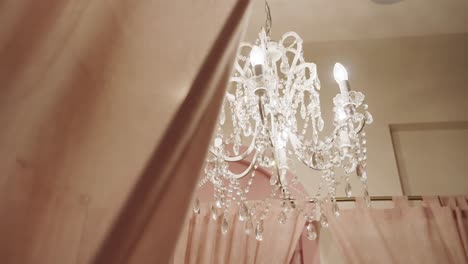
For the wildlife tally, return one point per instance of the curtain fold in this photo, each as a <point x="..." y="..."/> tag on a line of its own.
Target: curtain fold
<point x="202" y="241"/>
<point x="106" y="111"/>
<point x="307" y="251"/>
<point x="424" y="234"/>
<point x="459" y="207"/>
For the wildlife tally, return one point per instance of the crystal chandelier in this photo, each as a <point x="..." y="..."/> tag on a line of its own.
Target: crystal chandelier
<point x="273" y="108"/>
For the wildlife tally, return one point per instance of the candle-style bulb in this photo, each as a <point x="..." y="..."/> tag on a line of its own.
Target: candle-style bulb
<point x="339" y="73"/>
<point x="257" y="56"/>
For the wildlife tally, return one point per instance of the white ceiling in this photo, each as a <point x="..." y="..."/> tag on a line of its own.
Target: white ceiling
<point x="325" y="20"/>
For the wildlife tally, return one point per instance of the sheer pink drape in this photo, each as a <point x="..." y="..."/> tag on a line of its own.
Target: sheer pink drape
<point x="307" y="251"/>
<point x="423" y="234"/>
<point x="459" y="207"/>
<point x="203" y="242"/>
<point x="106" y="111"/>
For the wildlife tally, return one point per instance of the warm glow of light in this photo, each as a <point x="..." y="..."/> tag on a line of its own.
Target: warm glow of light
<point x="257" y="56"/>
<point x="339" y="72"/>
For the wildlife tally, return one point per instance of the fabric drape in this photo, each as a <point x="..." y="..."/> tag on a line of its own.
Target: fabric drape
<point x="106" y="110"/>
<point x="307" y="251"/>
<point x="459" y="207"/>
<point x="202" y="242"/>
<point x="422" y="234"/>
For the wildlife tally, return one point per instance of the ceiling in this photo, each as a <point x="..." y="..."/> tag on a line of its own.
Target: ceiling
<point x="326" y="20"/>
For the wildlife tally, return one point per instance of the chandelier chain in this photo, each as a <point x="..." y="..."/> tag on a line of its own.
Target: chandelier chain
<point x="268" y="20"/>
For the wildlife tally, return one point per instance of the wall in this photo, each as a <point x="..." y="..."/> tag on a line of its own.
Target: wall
<point x="405" y="80"/>
<point x="409" y="80"/>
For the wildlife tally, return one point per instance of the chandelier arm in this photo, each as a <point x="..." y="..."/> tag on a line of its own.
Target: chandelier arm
<point x="247" y="171"/>
<point x="237" y="66"/>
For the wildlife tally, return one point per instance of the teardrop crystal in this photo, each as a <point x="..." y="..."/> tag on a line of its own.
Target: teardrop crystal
<point x="367" y="198"/>
<point x="359" y="170"/>
<point x="248" y="226"/>
<point x="196" y="206"/>
<point x="236" y="149"/>
<point x="317" y="159"/>
<point x="284" y="66"/>
<point x="320" y="123"/>
<point x="364" y="176"/>
<point x="368" y="118"/>
<point x="303" y="111"/>
<point x="311" y="233"/>
<point x="348" y="190"/>
<point x="243" y="212"/>
<point x="336" y="209"/>
<point x="259" y="231"/>
<point x="282" y="217"/>
<point x="219" y="203"/>
<point x="224" y="225"/>
<point x="273" y="180"/>
<point x="324" y="221"/>
<point x="214" y="213"/>
<point x="222" y="117"/>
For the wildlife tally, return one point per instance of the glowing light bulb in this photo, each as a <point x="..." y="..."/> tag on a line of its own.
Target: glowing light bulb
<point x="339" y="72"/>
<point x="341" y="77"/>
<point x="257" y="56"/>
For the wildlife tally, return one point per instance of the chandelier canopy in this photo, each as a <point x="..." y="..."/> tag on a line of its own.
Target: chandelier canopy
<point x="273" y="109"/>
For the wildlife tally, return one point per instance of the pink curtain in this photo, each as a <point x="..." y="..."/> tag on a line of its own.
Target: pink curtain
<point x="203" y="242"/>
<point x="106" y="111"/>
<point x="459" y="207"/>
<point x="423" y="234"/>
<point x="307" y="251"/>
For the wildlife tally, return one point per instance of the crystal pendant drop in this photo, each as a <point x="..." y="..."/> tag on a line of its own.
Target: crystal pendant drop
<point x="361" y="173"/>
<point x="359" y="170"/>
<point x="218" y="203"/>
<point x="320" y="123"/>
<point x="243" y="212"/>
<point x="284" y="66"/>
<point x="367" y="198"/>
<point x="273" y="180"/>
<point x="248" y="226"/>
<point x="214" y="213"/>
<point x="311" y="233"/>
<point x="236" y="149"/>
<point x="317" y="159"/>
<point x="348" y="190"/>
<point x="196" y="206"/>
<point x="224" y="224"/>
<point x="336" y="209"/>
<point x="368" y="118"/>
<point x="303" y="111"/>
<point x="364" y="176"/>
<point x="222" y="117"/>
<point x="259" y="231"/>
<point x="324" y="221"/>
<point x="282" y="217"/>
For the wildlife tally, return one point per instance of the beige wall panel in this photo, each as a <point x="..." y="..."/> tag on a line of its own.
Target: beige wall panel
<point x="432" y="158"/>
